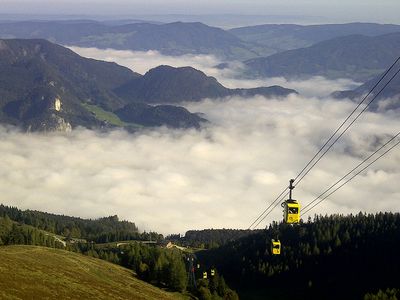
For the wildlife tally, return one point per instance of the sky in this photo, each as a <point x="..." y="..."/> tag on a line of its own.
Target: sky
<point x="221" y="176"/>
<point x="339" y="10"/>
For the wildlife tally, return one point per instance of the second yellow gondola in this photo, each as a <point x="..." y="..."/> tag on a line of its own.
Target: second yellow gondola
<point x="276" y="247"/>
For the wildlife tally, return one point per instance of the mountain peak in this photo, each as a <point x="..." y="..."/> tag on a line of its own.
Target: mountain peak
<point x="166" y="84"/>
<point x="44" y="86"/>
<point x="180" y="71"/>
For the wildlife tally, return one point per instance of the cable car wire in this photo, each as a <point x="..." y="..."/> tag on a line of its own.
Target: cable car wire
<point x="343" y="123"/>
<point x="349" y="125"/>
<point x="276" y="204"/>
<point x="277" y="198"/>
<point x="313" y="164"/>
<point x="351" y="178"/>
<point x="352" y="170"/>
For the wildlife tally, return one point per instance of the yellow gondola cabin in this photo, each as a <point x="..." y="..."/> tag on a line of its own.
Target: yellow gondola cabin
<point x="291" y="212"/>
<point x="291" y="208"/>
<point x="276" y="247"/>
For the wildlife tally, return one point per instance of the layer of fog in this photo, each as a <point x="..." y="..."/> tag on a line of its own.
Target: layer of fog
<point x="142" y="61"/>
<point x="221" y="176"/>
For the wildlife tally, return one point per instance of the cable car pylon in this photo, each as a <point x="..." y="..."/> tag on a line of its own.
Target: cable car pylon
<point x="291" y="207"/>
<point x="191" y="271"/>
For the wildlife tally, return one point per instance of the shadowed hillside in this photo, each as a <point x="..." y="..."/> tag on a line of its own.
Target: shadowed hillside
<point x="332" y="257"/>
<point x="387" y="99"/>
<point x="165" y="84"/>
<point x="356" y="56"/>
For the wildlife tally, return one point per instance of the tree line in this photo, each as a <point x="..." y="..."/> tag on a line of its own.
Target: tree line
<point x="208" y="238"/>
<point x="12" y="233"/>
<point x="102" y="230"/>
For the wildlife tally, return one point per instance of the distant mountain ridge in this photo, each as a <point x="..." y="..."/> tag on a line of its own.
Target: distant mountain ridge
<point x="166" y="84"/>
<point x="388" y="99"/>
<point x="178" y="38"/>
<point x="357" y="57"/>
<point x="282" y="37"/>
<point x="172" y="38"/>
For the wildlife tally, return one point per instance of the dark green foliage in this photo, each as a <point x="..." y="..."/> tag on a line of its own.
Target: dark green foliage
<point x="214" y="288"/>
<point x="160" y="266"/>
<point x="320" y="259"/>
<point x="103" y="230"/>
<point x="204" y="294"/>
<point x="209" y="238"/>
<point x="175" y="117"/>
<point x="164" y="267"/>
<point x="389" y="294"/>
<point x="12" y="233"/>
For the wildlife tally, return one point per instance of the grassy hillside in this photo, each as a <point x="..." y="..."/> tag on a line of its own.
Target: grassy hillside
<point x="29" y="272"/>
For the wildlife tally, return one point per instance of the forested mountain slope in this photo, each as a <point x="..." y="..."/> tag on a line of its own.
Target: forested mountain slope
<point x="165" y="84"/>
<point x="332" y="257"/>
<point x="386" y="94"/>
<point x="175" y="38"/>
<point x="44" y="86"/>
<point x="356" y="56"/>
<point x="102" y="230"/>
<point x="282" y="37"/>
